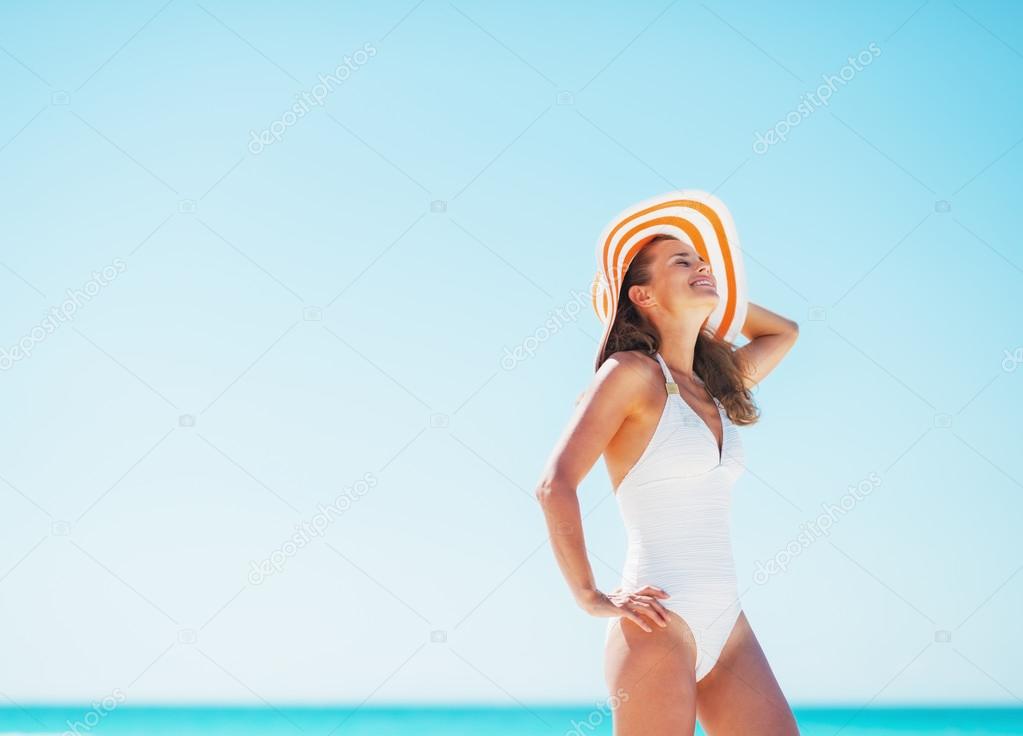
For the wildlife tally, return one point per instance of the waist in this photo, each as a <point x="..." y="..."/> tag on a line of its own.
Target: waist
<point x="700" y="552"/>
<point x="689" y="571"/>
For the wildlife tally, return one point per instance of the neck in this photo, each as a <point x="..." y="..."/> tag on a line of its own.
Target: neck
<point x="678" y="342"/>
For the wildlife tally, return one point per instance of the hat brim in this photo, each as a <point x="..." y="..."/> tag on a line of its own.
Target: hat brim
<point x="692" y="215"/>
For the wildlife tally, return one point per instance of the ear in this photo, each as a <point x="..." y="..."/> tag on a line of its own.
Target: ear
<point x="641" y="295"/>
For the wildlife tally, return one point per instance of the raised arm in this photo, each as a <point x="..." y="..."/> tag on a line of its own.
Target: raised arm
<point x="613" y="396"/>
<point x="771" y="336"/>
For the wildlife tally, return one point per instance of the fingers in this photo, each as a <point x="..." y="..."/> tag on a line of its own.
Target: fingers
<point x="637" y="619"/>
<point x="642" y="605"/>
<point x="652" y="610"/>
<point x="654" y="590"/>
<point x="659" y="607"/>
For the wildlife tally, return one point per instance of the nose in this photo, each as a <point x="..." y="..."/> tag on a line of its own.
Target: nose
<point x="704" y="267"/>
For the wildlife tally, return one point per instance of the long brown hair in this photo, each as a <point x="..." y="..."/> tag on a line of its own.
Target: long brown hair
<point x="714" y="360"/>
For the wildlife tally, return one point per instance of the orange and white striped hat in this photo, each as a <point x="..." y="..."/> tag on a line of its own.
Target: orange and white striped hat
<point x="695" y="217"/>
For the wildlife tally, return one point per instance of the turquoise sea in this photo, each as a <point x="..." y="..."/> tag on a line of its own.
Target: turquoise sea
<point x="521" y="721"/>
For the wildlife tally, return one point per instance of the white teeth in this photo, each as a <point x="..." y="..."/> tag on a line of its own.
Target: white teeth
<point x="702" y="281"/>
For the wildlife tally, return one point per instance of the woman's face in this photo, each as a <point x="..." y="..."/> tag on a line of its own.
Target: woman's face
<point x="681" y="278"/>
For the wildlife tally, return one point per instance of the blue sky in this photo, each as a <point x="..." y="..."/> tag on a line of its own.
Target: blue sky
<point x="253" y="336"/>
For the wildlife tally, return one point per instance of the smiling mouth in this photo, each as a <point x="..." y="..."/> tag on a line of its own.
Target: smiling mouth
<point x="703" y="282"/>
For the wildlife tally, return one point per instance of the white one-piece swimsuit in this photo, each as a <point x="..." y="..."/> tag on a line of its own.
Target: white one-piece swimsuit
<point x="675" y="502"/>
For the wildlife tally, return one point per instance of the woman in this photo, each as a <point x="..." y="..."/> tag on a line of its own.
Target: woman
<point x="663" y="409"/>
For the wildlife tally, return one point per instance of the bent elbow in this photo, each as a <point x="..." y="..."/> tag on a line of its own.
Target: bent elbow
<point x="551" y="488"/>
<point x="793" y="331"/>
<point x="543" y="493"/>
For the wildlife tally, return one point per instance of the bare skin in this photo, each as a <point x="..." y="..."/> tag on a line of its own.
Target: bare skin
<point x="740" y="695"/>
<point x="657" y="670"/>
<point x="741" y="690"/>
<point x="651" y="653"/>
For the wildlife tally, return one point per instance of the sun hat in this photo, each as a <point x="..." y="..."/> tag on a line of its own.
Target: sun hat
<point x="693" y="216"/>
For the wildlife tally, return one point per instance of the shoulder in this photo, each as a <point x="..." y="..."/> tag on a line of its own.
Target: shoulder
<point x="630" y="367"/>
<point x="627" y="375"/>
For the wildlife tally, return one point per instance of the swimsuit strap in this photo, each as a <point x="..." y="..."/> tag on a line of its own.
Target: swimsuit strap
<point x="669" y="381"/>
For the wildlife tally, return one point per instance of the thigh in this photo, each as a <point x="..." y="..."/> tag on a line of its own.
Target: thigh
<point x="652" y="675"/>
<point x="740" y="695"/>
